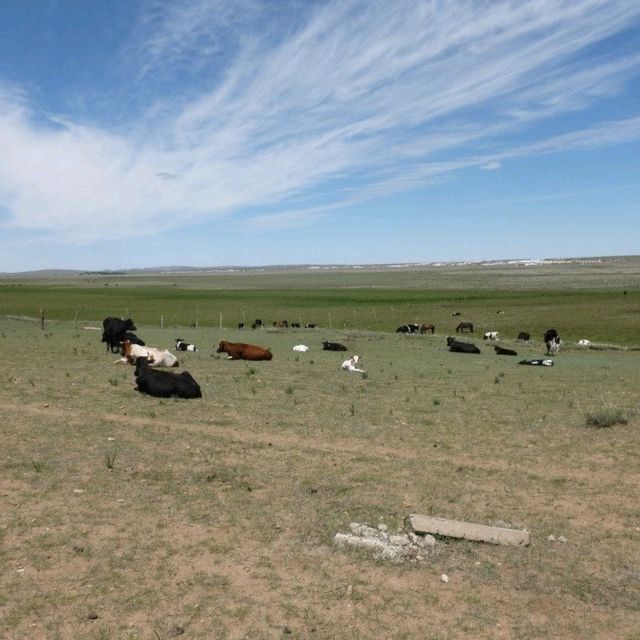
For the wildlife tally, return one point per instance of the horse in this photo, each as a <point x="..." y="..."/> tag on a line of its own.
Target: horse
<point x="427" y="328"/>
<point x="464" y="326"/>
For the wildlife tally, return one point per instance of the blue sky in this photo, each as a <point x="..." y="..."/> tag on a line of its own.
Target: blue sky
<point x="251" y="132"/>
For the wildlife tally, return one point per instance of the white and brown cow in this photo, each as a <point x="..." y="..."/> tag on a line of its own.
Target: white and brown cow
<point x="156" y="357"/>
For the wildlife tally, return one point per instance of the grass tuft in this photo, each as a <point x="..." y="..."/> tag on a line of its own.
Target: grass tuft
<point x="606" y="417"/>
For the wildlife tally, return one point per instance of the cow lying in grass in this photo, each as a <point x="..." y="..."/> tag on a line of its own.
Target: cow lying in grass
<point x="501" y="351"/>
<point x="332" y="346"/>
<point x="242" y="351"/>
<point x="352" y="365"/>
<point x="461" y="347"/>
<point x="165" y="384"/>
<point x="181" y="345"/>
<point x="157" y="357"/>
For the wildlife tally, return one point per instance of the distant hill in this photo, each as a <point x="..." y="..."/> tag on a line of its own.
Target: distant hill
<point x="182" y="270"/>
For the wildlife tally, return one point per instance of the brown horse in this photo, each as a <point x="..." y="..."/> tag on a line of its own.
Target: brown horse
<point x="242" y="351"/>
<point x="427" y="328"/>
<point x="464" y="326"/>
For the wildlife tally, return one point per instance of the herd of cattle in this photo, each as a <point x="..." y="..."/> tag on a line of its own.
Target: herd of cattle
<point x="119" y="338"/>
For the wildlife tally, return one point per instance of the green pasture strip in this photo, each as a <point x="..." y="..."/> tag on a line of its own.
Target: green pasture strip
<point x="602" y="316"/>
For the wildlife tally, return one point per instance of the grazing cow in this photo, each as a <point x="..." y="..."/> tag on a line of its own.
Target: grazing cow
<point x="552" y="341"/>
<point x="461" y="347"/>
<point x="456" y="313"/>
<point x="295" y="325"/>
<point x="584" y="342"/>
<point x="240" y="325"/>
<point x="538" y="362"/>
<point x="311" y="325"/>
<point x="408" y="328"/>
<point x="302" y="348"/>
<point x="464" y="326"/>
<point x="114" y="330"/>
<point x="242" y="351"/>
<point x="501" y="351"/>
<point x="257" y="324"/>
<point x="499" y="312"/>
<point x="427" y="328"/>
<point x="181" y="345"/>
<point x="281" y="324"/>
<point x="524" y="336"/>
<point x="352" y="365"/>
<point x="490" y="335"/>
<point x="333" y="346"/>
<point x="164" y="384"/>
<point x="156" y="357"/>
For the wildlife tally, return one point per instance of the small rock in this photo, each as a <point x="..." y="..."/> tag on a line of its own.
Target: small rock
<point x="383" y="527"/>
<point x="78" y="491"/>
<point x="551" y="538"/>
<point x="562" y="539"/>
<point x="92" y="616"/>
<point x="176" y="631"/>
<point x="429" y="541"/>
<point x="444" y="578"/>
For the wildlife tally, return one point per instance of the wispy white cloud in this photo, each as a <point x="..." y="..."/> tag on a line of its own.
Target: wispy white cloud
<point x="337" y="101"/>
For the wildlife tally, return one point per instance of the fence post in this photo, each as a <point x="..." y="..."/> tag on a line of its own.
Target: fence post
<point x="42" y="319"/>
<point x="330" y="325"/>
<point x="162" y="321"/>
<point x="221" y="319"/>
<point x="75" y="321"/>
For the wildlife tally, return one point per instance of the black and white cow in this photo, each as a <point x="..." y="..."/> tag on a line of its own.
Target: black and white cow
<point x="114" y="331"/>
<point x="164" y="384"/>
<point x="181" y="345"/>
<point x="552" y="341"/>
<point x="524" y="336"/>
<point x="461" y="347"/>
<point x="408" y="328"/>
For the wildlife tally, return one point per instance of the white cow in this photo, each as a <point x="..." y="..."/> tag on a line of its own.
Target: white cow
<point x="584" y="342"/>
<point x="351" y="364"/>
<point x="156" y="357"/>
<point x="301" y="348"/>
<point x="490" y="335"/>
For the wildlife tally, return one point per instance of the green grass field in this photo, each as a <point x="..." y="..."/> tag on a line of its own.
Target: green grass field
<point x="131" y="517"/>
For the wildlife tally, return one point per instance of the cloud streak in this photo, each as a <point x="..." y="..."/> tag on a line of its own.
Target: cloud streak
<point x="335" y="102"/>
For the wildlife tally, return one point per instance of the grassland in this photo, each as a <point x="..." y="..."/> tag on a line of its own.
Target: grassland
<point x="131" y="517"/>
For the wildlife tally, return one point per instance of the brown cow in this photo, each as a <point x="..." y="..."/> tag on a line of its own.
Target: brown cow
<point x="242" y="351"/>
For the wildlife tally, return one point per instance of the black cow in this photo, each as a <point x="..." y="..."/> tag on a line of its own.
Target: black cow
<point x="240" y="325"/>
<point x="295" y="325"/>
<point x="461" y="347"/>
<point x="501" y="351"/>
<point x="524" y="336"/>
<point x="333" y="346"/>
<point x="552" y="341"/>
<point x="311" y="325"/>
<point x="408" y="328"/>
<point x="133" y="338"/>
<point x="114" y="331"/>
<point x="257" y="324"/>
<point x="165" y="384"/>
